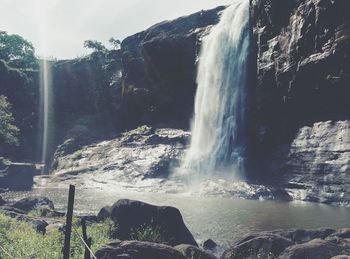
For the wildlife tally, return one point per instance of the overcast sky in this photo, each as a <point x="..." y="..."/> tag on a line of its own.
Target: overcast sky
<point x="58" y="28"/>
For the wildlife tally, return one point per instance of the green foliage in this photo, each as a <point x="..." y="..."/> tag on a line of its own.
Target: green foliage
<point x="95" y="45"/>
<point x="8" y="131"/>
<point x="17" y="52"/>
<point x="98" y="46"/>
<point x="20" y="240"/>
<point x="147" y="232"/>
<point x="100" y="234"/>
<point x="41" y="212"/>
<point x="4" y="163"/>
<point x="115" y="43"/>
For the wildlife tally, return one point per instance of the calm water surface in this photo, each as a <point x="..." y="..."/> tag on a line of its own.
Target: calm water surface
<point x="222" y="219"/>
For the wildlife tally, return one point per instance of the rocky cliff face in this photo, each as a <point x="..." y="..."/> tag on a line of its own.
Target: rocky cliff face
<point x="303" y="64"/>
<point x="298" y="114"/>
<point x="299" y="104"/>
<point x="160" y="70"/>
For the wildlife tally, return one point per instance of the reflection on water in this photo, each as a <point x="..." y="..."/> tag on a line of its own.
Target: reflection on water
<point x="222" y="219"/>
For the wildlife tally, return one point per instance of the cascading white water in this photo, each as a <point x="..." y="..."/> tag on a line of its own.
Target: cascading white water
<point x="217" y="142"/>
<point x="45" y="84"/>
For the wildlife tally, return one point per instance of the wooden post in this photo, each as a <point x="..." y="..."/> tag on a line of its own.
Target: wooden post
<point x="69" y="217"/>
<point x="83" y="227"/>
<point x="86" y="239"/>
<point x="87" y="251"/>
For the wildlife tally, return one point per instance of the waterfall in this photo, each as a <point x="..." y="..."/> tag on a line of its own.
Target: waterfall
<point x="46" y="95"/>
<point x="46" y="109"/>
<point x="217" y="142"/>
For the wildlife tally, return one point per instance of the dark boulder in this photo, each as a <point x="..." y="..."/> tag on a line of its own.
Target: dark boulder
<point x="209" y="244"/>
<point x="303" y="235"/>
<point x="89" y="218"/>
<point x="131" y="216"/>
<point x="194" y="252"/>
<point x="299" y="243"/>
<point x="341" y="233"/>
<point x="11" y="211"/>
<point x="2" y="201"/>
<point x="138" y="250"/>
<point x="104" y="213"/>
<point x="32" y="203"/>
<point x="316" y="248"/>
<point x="264" y="245"/>
<point x="18" y="176"/>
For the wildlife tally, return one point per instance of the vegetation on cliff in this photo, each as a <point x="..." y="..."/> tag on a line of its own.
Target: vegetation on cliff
<point x="8" y="131"/>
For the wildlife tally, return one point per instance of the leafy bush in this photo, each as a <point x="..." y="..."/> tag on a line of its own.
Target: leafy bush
<point x="20" y="240"/>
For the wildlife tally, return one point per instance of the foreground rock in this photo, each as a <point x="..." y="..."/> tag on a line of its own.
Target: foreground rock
<point x="194" y="252"/>
<point x="263" y="244"/>
<point x="138" y="250"/>
<point x="292" y="244"/>
<point x="316" y="248"/>
<point x="209" y="244"/>
<point x="32" y="203"/>
<point x="134" y="216"/>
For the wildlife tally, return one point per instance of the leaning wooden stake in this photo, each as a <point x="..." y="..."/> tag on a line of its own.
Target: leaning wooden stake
<point x="66" y="249"/>
<point x="86" y="240"/>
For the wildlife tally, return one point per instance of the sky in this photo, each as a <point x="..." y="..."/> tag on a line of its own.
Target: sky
<point x="58" y="28"/>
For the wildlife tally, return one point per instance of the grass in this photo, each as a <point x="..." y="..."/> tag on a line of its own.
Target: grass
<point x="148" y="233"/>
<point x="41" y="212"/>
<point x="20" y="240"/>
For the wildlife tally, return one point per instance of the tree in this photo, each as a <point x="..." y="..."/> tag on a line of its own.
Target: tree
<point x="95" y="45"/>
<point x="17" y="52"/>
<point x="8" y="131"/>
<point x="115" y="43"/>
